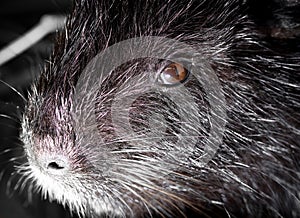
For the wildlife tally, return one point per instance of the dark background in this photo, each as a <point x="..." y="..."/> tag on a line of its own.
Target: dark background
<point x="278" y="21"/>
<point x="16" y="17"/>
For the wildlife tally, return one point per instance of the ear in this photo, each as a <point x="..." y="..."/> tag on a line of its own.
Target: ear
<point x="278" y="19"/>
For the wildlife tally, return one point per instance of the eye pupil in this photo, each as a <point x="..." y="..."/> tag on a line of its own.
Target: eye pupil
<point x="173" y="74"/>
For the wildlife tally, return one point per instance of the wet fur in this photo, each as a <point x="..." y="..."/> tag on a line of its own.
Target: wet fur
<point x="255" y="172"/>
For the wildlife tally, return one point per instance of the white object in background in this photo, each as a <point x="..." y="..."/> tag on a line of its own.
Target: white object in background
<point x="47" y="24"/>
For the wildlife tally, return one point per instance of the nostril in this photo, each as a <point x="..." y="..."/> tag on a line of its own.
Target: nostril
<point x="55" y="166"/>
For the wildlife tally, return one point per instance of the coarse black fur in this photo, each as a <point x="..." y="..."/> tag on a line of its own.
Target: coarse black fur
<point x="255" y="171"/>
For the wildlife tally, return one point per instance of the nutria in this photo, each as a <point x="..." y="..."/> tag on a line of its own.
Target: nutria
<point x="165" y="109"/>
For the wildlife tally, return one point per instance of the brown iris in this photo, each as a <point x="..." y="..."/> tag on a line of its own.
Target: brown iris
<point x="173" y="74"/>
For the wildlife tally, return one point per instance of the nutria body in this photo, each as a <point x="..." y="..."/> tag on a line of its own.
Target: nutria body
<point x="207" y="126"/>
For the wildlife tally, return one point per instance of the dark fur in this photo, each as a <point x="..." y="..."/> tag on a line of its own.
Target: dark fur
<point x="255" y="172"/>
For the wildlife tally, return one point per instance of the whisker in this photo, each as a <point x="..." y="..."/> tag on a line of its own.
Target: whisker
<point x="10" y="118"/>
<point x="143" y="138"/>
<point x="144" y="201"/>
<point x="116" y="194"/>
<point x="14" y="89"/>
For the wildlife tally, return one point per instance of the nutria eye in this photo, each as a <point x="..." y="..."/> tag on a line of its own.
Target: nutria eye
<point x="173" y="74"/>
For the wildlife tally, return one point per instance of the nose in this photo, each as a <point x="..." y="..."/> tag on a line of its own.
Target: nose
<point x="54" y="164"/>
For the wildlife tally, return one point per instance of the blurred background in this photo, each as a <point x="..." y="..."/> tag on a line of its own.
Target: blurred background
<point x="278" y="22"/>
